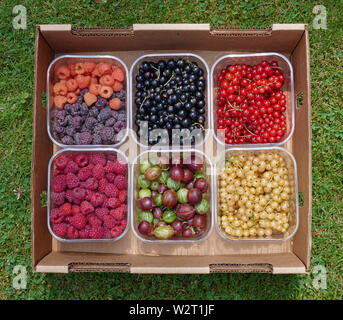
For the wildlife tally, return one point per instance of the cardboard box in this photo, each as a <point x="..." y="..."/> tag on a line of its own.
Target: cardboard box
<point x="130" y="254"/>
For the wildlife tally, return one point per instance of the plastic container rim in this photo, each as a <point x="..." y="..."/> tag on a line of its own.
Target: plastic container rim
<point x="296" y="193"/>
<point x="250" y="145"/>
<point x="212" y="215"/>
<point x="209" y="116"/>
<point x="48" y="100"/>
<point x="79" y="150"/>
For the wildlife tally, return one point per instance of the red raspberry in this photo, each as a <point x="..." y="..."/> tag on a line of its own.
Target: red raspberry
<point x="59" y="183"/>
<point x="114" y="202"/>
<point x="78" y="194"/>
<point x="110" y="177"/>
<point x="75" y="209"/>
<point x="61" y="162"/>
<point x="59" y="229"/>
<point x="66" y="209"/>
<point x="94" y="221"/>
<point x="105" y="203"/>
<point x="71" y="167"/>
<point x="101" y="213"/>
<point x="90" y="184"/>
<point x="97" y="158"/>
<point x="56" y="215"/>
<point x="112" y="158"/>
<point x="72" y="180"/>
<point x="122" y="196"/>
<point x="117" y="214"/>
<point x="84" y="173"/>
<point x="111" y="190"/>
<point x="89" y="195"/>
<point x="97" y="199"/>
<point x="58" y="198"/>
<point x="120" y="182"/>
<point x="72" y="232"/>
<point x="120" y="167"/>
<point x="109" y="221"/>
<point x="58" y="172"/>
<point x="102" y="185"/>
<point x="107" y="234"/>
<point x="81" y="160"/>
<point x="69" y="196"/>
<point x="96" y="232"/>
<point x="116" y="232"/>
<point x="123" y="207"/>
<point x="86" y="207"/>
<point x="123" y="224"/>
<point x="70" y="157"/>
<point x="110" y="166"/>
<point x="79" y="221"/>
<point x="84" y="233"/>
<point x="98" y="171"/>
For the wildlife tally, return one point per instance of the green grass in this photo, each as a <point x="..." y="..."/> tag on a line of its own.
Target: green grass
<point x="16" y="101"/>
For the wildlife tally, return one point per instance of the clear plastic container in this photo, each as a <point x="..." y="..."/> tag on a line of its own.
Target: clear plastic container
<point x="208" y="170"/>
<point x="75" y="151"/>
<point x="166" y="56"/>
<point x="293" y="180"/>
<point x="253" y="59"/>
<point x="51" y="78"/>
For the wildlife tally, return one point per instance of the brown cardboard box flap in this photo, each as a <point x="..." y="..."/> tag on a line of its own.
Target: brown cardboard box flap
<point x="64" y="262"/>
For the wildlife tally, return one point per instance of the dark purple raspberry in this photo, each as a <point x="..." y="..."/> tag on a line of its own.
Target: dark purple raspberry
<point x="98" y="127"/>
<point x="76" y="122"/>
<point x="106" y="134"/>
<point x="96" y="139"/>
<point x="58" y="129"/>
<point x="90" y="122"/>
<point x="114" y="114"/>
<point x="104" y="114"/>
<point x="70" y="131"/>
<point x="101" y="103"/>
<point x="119" y="125"/>
<point x="122" y="116"/>
<point x="83" y="92"/>
<point x="93" y="112"/>
<point x="110" y="122"/>
<point x="84" y="109"/>
<point x="85" y="138"/>
<point x="67" y="140"/>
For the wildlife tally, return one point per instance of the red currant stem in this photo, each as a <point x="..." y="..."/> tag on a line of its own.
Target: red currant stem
<point x="249" y="130"/>
<point x="169" y="79"/>
<point x="268" y="84"/>
<point x="277" y="68"/>
<point x="198" y="124"/>
<point x="234" y="108"/>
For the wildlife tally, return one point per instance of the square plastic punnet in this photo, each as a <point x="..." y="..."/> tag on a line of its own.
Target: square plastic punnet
<point x="253" y="59"/>
<point x="208" y="170"/>
<point x="166" y="56"/>
<point x="293" y="180"/>
<point x="88" y="151"/>
<point x="51" y="78"/>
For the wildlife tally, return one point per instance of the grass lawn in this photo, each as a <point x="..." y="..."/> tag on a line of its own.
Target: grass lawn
<point x="16" y="101"/>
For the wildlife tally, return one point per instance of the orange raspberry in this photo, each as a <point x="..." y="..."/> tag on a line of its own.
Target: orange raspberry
<point x="115" y="103"/>
<point x="94" y="80"/>
<point x="118" y="75"/>
<point x="89" y="67"/>
<point x="77" y="91"/>
<point x="71" y="97"/>
<point x="60" y="89"/>
<point x="72" y="69"/>
<point x="117" y="86"/>
<point x="89" y="98"/>
<point x="79" y="68"/>
<point x="63" y="72"/>
<point x="94" y="88"/>
<point x="71" y="85"/>
<point x="83" y="81"/>
<point x="60" y="101"/>
<point x="106" y="80"/>
<point x="106" y="92"/>
<point x="104" y="68"/>
<point x="96" y="72"/>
